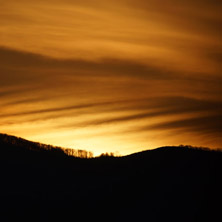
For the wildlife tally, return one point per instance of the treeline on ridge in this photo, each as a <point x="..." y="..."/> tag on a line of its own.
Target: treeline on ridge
<point x="21" y="143"/>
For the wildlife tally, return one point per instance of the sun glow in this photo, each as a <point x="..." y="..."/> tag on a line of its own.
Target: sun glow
<point x="111" y="76"/>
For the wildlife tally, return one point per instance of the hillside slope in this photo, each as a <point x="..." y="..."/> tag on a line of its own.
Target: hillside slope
<point x="165" y="184"/>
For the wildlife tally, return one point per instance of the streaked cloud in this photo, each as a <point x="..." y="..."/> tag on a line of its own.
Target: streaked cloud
<point x="123" y="74"/>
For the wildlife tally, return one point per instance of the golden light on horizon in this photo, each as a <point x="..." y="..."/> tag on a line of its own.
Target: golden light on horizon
<point x="111" y="76"/>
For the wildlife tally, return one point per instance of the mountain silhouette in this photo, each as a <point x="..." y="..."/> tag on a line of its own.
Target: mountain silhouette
<point x="46" y="183"/>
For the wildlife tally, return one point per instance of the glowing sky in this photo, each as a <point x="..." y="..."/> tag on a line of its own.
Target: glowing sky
<point x="120" y="75"/>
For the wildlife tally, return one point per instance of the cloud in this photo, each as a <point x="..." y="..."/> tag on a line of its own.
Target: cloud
<point x="55" y="110"/>
<point x="166" y="106"/>
<point x="208" y="125"/>
<point x="173" y="34"/>
<point x="111" y="66"/>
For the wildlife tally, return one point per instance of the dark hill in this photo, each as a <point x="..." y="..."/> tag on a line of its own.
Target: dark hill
<point x="43" y="183"/>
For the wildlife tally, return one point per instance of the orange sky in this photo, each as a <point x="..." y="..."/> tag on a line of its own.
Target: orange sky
<point x="111" y="76"/>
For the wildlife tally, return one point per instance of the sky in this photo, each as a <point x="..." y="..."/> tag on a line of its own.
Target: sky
<point x="112" y="76"/>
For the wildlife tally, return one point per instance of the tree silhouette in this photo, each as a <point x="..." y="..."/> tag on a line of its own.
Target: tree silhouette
<point x="47" y="183"/>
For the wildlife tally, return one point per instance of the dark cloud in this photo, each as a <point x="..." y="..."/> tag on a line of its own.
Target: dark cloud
<point x="22" y="68"/>
<point x="107" y="105"/>
<point x="211" y="125"/>
<point x="215" y="55"/>
<point x="25" y="63"/>
<point x="23" y="101"/>
<point x="59" y="109"/>
<point x="164" y="107"/>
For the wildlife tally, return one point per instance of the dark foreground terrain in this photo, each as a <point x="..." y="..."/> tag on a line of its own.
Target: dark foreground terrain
<point x="40" y="183"/>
